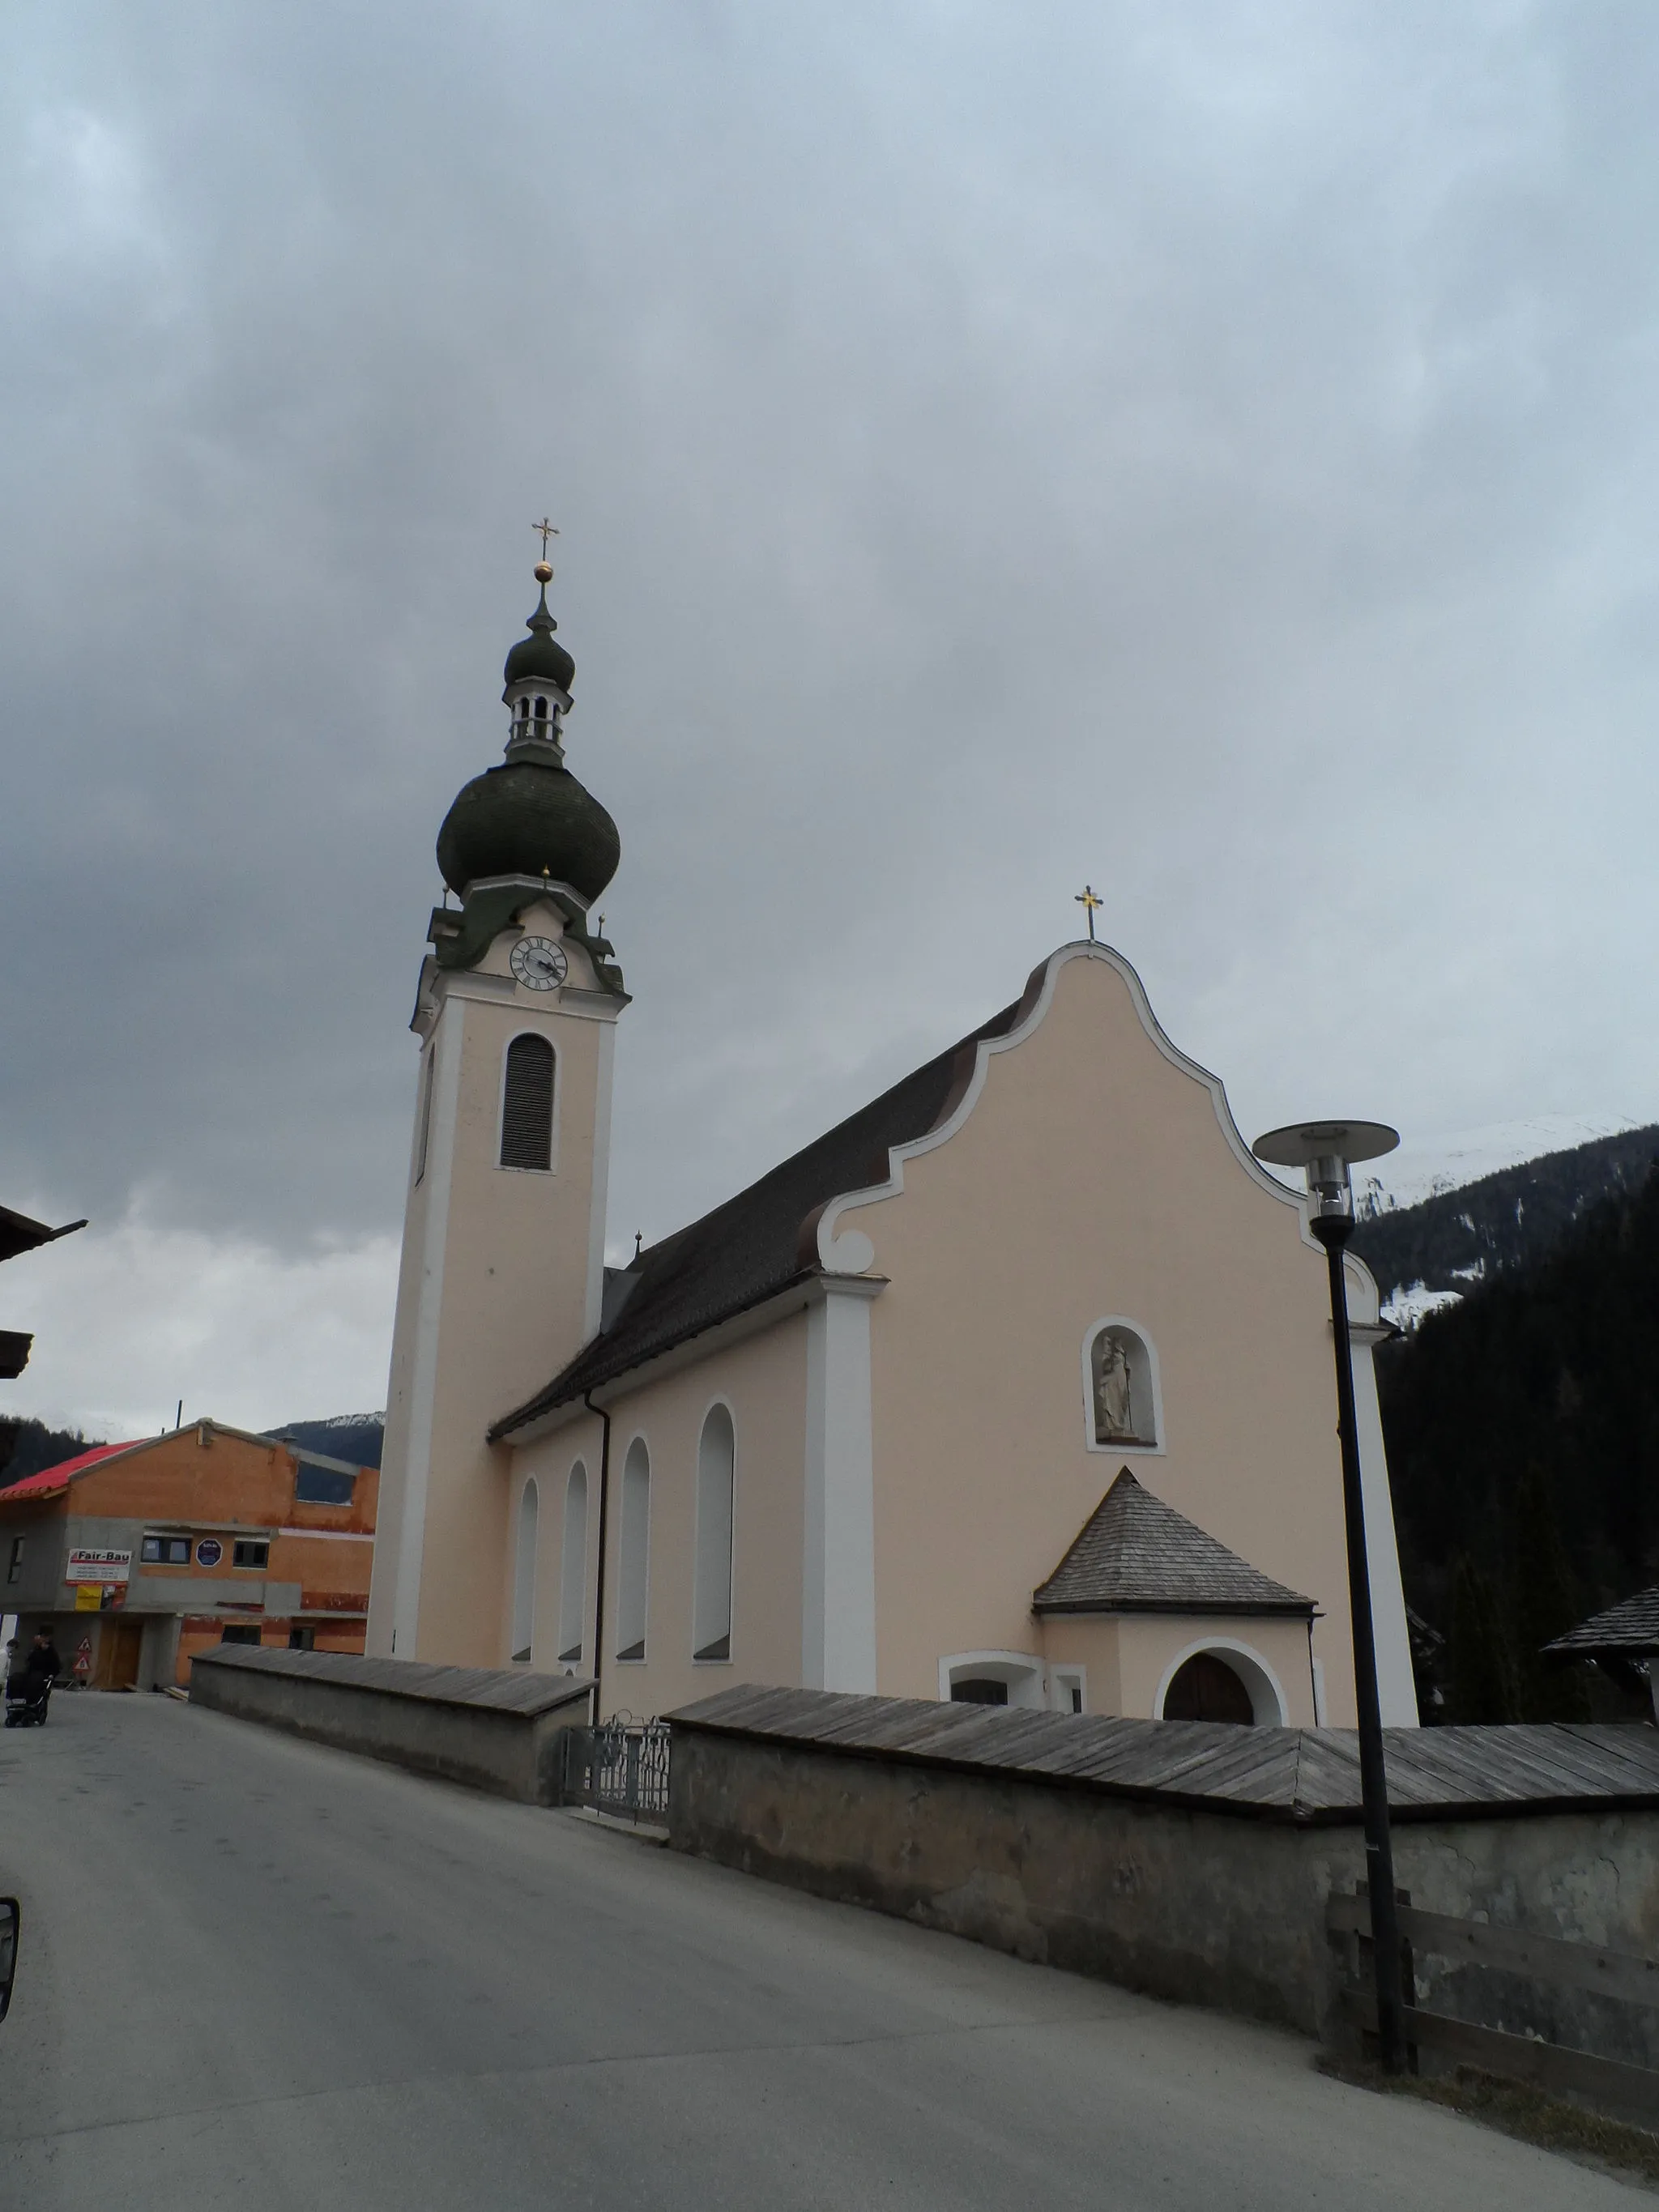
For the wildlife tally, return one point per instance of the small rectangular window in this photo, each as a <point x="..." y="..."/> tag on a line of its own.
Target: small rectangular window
<point x="149" y="1551"/>
<point x="15" y="1567"/>
<point x="249" y="1552"/>
<point x="239" y="1632"/>
<point x="302" y="1639"/>
<point x="164" y="1551"/>
<point x="178" y="1551"/>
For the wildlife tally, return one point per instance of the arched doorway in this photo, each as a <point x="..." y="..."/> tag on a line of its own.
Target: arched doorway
<point x="1205" y="1688"/>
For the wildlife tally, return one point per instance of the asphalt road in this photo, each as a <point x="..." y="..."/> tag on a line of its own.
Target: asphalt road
<point x="260" y="1975"/>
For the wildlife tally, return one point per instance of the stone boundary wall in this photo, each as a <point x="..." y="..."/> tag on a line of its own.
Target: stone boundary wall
<point x="497" y="1729"/>
<point x="1218" y="1907"/>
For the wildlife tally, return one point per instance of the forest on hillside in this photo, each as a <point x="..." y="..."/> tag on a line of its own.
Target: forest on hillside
<point x="1506" y="1220"/>
<point x="1522" y="1429"/>
<point x="29" y="1446"/>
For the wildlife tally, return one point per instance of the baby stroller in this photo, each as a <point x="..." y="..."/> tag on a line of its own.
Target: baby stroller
<point x="26" y="1697"/>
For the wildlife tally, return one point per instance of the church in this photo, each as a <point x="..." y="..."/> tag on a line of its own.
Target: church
<point x="1015" y="1387"/>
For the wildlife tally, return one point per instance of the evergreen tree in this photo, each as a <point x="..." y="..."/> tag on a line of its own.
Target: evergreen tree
<point x="1482" y="1684"/>
<point x="1546" y="1602"/>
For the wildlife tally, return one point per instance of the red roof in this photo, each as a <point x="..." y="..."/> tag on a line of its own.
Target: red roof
<point x="52" y="1479"/>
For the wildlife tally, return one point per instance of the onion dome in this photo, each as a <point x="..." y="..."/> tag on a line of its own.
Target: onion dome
<point x="527" y="817"/>
<point x="530" y="816"/>
<point x="539" y="657"/>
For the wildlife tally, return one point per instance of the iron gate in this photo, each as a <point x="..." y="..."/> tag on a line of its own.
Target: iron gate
<point x="621" y="1767"/>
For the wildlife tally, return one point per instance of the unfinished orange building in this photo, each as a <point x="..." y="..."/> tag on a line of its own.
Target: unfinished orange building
<point x="138" y="1555"/>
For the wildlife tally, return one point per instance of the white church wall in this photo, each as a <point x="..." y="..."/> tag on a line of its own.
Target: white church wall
<point x="762" y="1380"/>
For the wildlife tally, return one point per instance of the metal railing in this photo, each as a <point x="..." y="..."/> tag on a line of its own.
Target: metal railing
<point x="621" y="1767"/>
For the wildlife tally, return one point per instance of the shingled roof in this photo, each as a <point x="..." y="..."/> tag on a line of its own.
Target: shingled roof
<point x="1628" y="1630"/>
<point x="1136" y="1554"/>
<point x="757" y="1244"/>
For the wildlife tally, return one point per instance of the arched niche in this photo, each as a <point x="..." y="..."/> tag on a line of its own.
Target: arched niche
<point x="1123" y="1392"/>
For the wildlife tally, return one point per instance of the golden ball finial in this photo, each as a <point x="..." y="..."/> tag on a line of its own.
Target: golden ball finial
<point x="543" y="572"/>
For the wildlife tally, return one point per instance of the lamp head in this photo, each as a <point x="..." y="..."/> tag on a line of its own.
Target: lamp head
<point x="1325" y="1151"/>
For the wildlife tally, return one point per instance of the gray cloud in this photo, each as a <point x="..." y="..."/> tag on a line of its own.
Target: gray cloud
<point x="1206" y="451"/>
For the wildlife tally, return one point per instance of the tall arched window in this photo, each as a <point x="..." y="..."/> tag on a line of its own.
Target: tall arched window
<point x="572" y="1565"/>
<point x="527" y="1104"/>
<point x="524" y="1573"/>
<point x="633" y="1555"/>
<point x="711" y="1604"/>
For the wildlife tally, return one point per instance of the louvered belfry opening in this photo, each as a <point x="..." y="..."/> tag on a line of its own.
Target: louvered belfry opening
<point x="527" y="1104"/>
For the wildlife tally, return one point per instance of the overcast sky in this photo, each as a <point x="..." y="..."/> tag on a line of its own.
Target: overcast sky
<point x="1209" y="451"/>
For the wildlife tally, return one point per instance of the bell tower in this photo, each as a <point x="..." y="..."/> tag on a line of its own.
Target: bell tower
<point x="504" y="1251"/>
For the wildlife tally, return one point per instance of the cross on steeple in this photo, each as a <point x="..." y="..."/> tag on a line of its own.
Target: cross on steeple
<point x="547" y="530"/>
<point x="1089" y="901"/>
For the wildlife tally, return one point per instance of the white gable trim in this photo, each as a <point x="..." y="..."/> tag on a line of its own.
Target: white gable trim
<point x="851" y="1252"/>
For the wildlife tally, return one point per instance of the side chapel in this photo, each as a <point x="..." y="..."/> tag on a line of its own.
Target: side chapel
<point x="1015" y="1387"/>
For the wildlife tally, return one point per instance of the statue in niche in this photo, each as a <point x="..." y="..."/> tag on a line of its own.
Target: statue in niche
<point x="1115" y="1422"/>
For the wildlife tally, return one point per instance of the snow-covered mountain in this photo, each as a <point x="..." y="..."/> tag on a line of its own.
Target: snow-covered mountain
<point x="354" y="1436"/>
<point x="1451" y="1212"/>
<point x="1426" y="1167"/>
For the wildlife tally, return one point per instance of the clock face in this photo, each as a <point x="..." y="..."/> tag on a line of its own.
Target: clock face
<point x="538" y="964"/>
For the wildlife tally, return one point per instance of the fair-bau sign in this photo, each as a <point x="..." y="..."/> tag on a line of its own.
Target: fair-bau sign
<point x="99" y="1567"/>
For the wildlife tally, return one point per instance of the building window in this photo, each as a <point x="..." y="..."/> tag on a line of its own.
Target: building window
<point x="302" y="1639"/>
<point x="239" y="1632"/>
<point x="164" y="1551"/>
<point x="249" y="1552"/>
<point x="1066" y="1689"/>
<point x="527" y="1105"/>
<point x="573" y="1566"/>
<point x="323" y="1485"/>
<point x="1120" y="1384"/>
<point x="15" y="1566"/>
<point x="978" y="1690"/>
<point x="541" y="710"/>
<point x="711" y="1604"/>
<point x="633" y="1557"/>
<point x="524" y="1573"/>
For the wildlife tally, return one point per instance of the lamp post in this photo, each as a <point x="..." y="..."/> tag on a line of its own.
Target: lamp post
<point x="1326" y="1150"/>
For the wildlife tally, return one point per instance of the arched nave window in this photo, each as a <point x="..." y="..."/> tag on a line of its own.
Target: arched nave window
<point x="524" y="1573"/>
<point x="527" y="1104"/>
<point x="634" y="1556"/>
<point x="572" y="1565"/>
<point x="711" y="1606"/>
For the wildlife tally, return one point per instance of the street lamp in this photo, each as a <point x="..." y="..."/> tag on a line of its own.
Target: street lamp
<point x="1327" y="1150"/>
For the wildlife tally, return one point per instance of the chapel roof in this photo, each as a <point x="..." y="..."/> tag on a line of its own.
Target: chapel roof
<point x="1630" y="1628"/>
<point x="756" y="1245"/>
<point x="1136" y="1554"/>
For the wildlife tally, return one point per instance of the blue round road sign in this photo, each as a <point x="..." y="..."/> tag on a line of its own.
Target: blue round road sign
<point x="210" y="1551"/>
